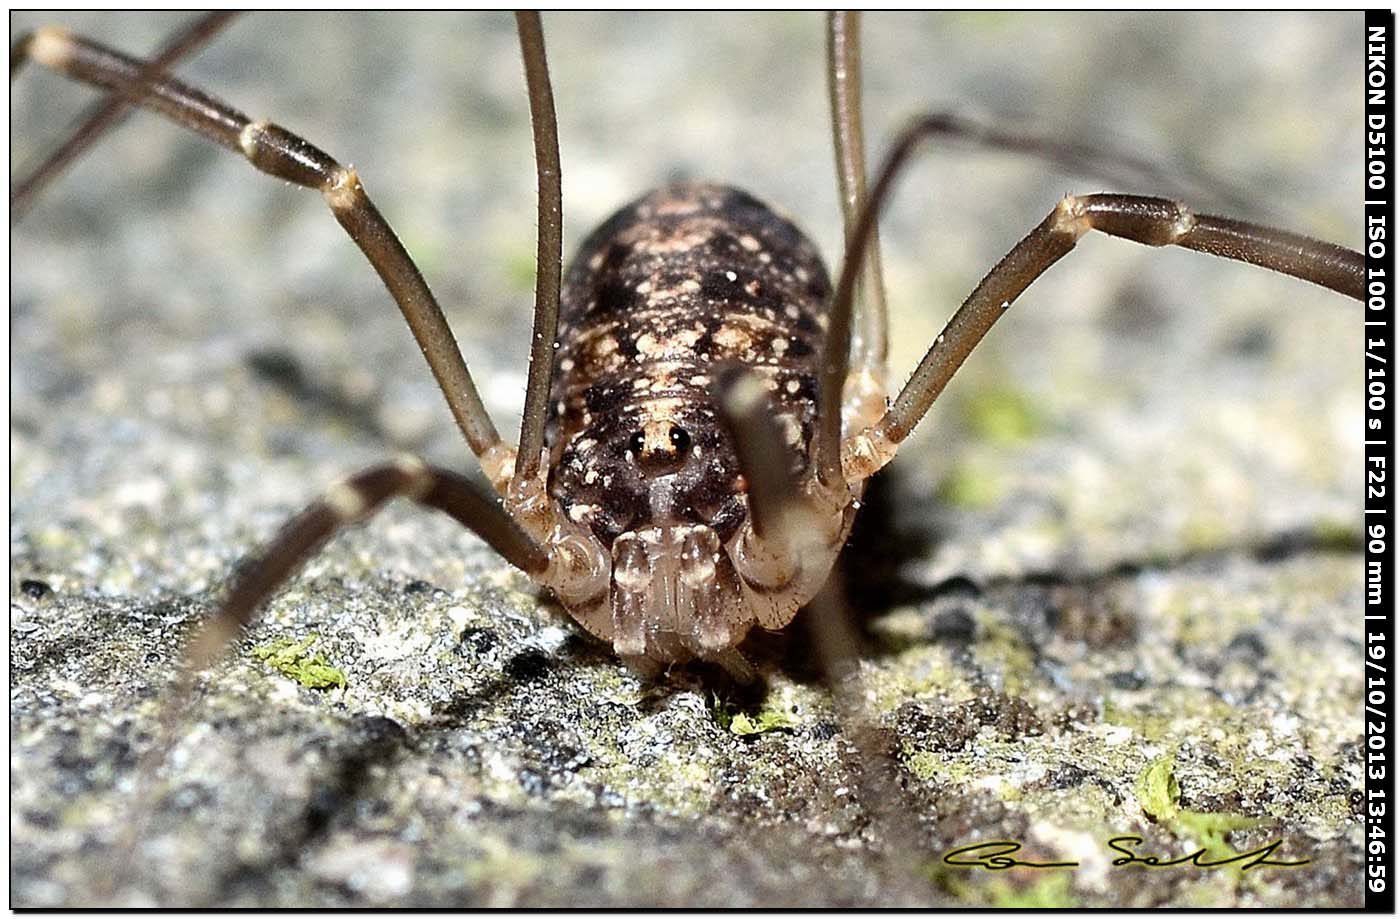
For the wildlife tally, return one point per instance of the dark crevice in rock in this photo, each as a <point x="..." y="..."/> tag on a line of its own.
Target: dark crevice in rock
<point x="369" y="741"/>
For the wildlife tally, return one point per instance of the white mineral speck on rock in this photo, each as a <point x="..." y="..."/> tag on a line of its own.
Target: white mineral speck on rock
<point x="459" y="617"/>
<point x="381" y="869"/>
<point x="551" y="638"/>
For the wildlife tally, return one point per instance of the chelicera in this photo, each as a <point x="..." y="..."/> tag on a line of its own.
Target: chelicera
<point x="704" y="403"/>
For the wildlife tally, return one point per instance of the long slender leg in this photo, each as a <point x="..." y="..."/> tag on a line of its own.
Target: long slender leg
<point x="1150" y="221"/>
<point x="1085" y="158"/>
<point x="549" y="258"/>
<point x="105" y="115"/>
<point x="344" y="503"/>
<point x="1076" y="156"/>
<point x="274" y="150"/>
<point x="353" y="500"/>
<point x="848" y="136"/>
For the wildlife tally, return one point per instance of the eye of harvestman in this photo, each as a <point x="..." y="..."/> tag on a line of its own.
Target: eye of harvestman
<point x="678" y="436"/>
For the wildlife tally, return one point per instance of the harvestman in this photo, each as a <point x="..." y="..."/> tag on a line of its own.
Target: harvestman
<point x="703" y="409"/>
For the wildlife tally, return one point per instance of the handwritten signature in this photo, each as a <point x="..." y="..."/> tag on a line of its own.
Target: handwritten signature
<point x="996" y="855"/>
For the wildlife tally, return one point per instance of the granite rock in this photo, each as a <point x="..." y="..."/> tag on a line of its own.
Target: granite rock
<point x="1124" y="549"/>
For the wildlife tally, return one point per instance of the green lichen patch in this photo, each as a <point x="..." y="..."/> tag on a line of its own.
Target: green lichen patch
<point x="1006" y="652"/>
<point x="970" y="487"/>
<point x="294" y="659"/>
<point x="742" y="725"/>
<point x="1051" y="890"/>
<point x="1159" y="794"/>
<point x="1002" y="415"/>
<point x="925" y="766"/>
<point x="770" y="717"/>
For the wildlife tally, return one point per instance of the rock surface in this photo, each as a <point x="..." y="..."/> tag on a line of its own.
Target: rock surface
<point x="1112" y="586"/>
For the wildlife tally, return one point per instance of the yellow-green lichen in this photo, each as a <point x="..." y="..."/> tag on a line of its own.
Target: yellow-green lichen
<point x="1053" y="890"/>
<point x="1005" y="651"/>
<point x="924" y="765"/>
<point x="519" y="268"/>
<point x="969" y="487"/>
<point x="1158" y="793"/>
<point x="294" y="659"/>
<point x="677" y="783"/>
<point x="743" y="724"/>
<point x="921" y="671"/>
<point x="949" y="769"/>
<point x="1169" y="714"/>
<point x="1002" y="415"/>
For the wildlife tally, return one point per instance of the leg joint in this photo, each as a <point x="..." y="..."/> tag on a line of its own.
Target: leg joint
<point x="273" y="149"/>
<point x="1070" y="218"/>
<point x="343" y="191"/>
<point x="417" y="477"/>
<point x="347" y="501"/>
<point x="1149" y="221"/>
<point x="50" y="46"/>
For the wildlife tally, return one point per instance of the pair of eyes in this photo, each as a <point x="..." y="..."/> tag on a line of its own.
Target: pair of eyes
<point x="680" y="440"/>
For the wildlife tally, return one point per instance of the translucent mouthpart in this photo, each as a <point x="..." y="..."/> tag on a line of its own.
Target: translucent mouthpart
<point x="675" y="586"/>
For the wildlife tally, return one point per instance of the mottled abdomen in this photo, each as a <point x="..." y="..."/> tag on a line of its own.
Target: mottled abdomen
<point x="676" y="285"/>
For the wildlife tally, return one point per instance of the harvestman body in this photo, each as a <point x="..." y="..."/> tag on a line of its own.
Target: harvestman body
<point x="692" y="455"/>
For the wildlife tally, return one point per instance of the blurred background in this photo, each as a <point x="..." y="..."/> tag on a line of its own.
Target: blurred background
<point x="1133" y="403"/>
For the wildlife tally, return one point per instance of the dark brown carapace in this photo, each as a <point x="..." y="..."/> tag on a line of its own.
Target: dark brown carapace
<point x="686" y="280"/>
<point x="703" y="408"/>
